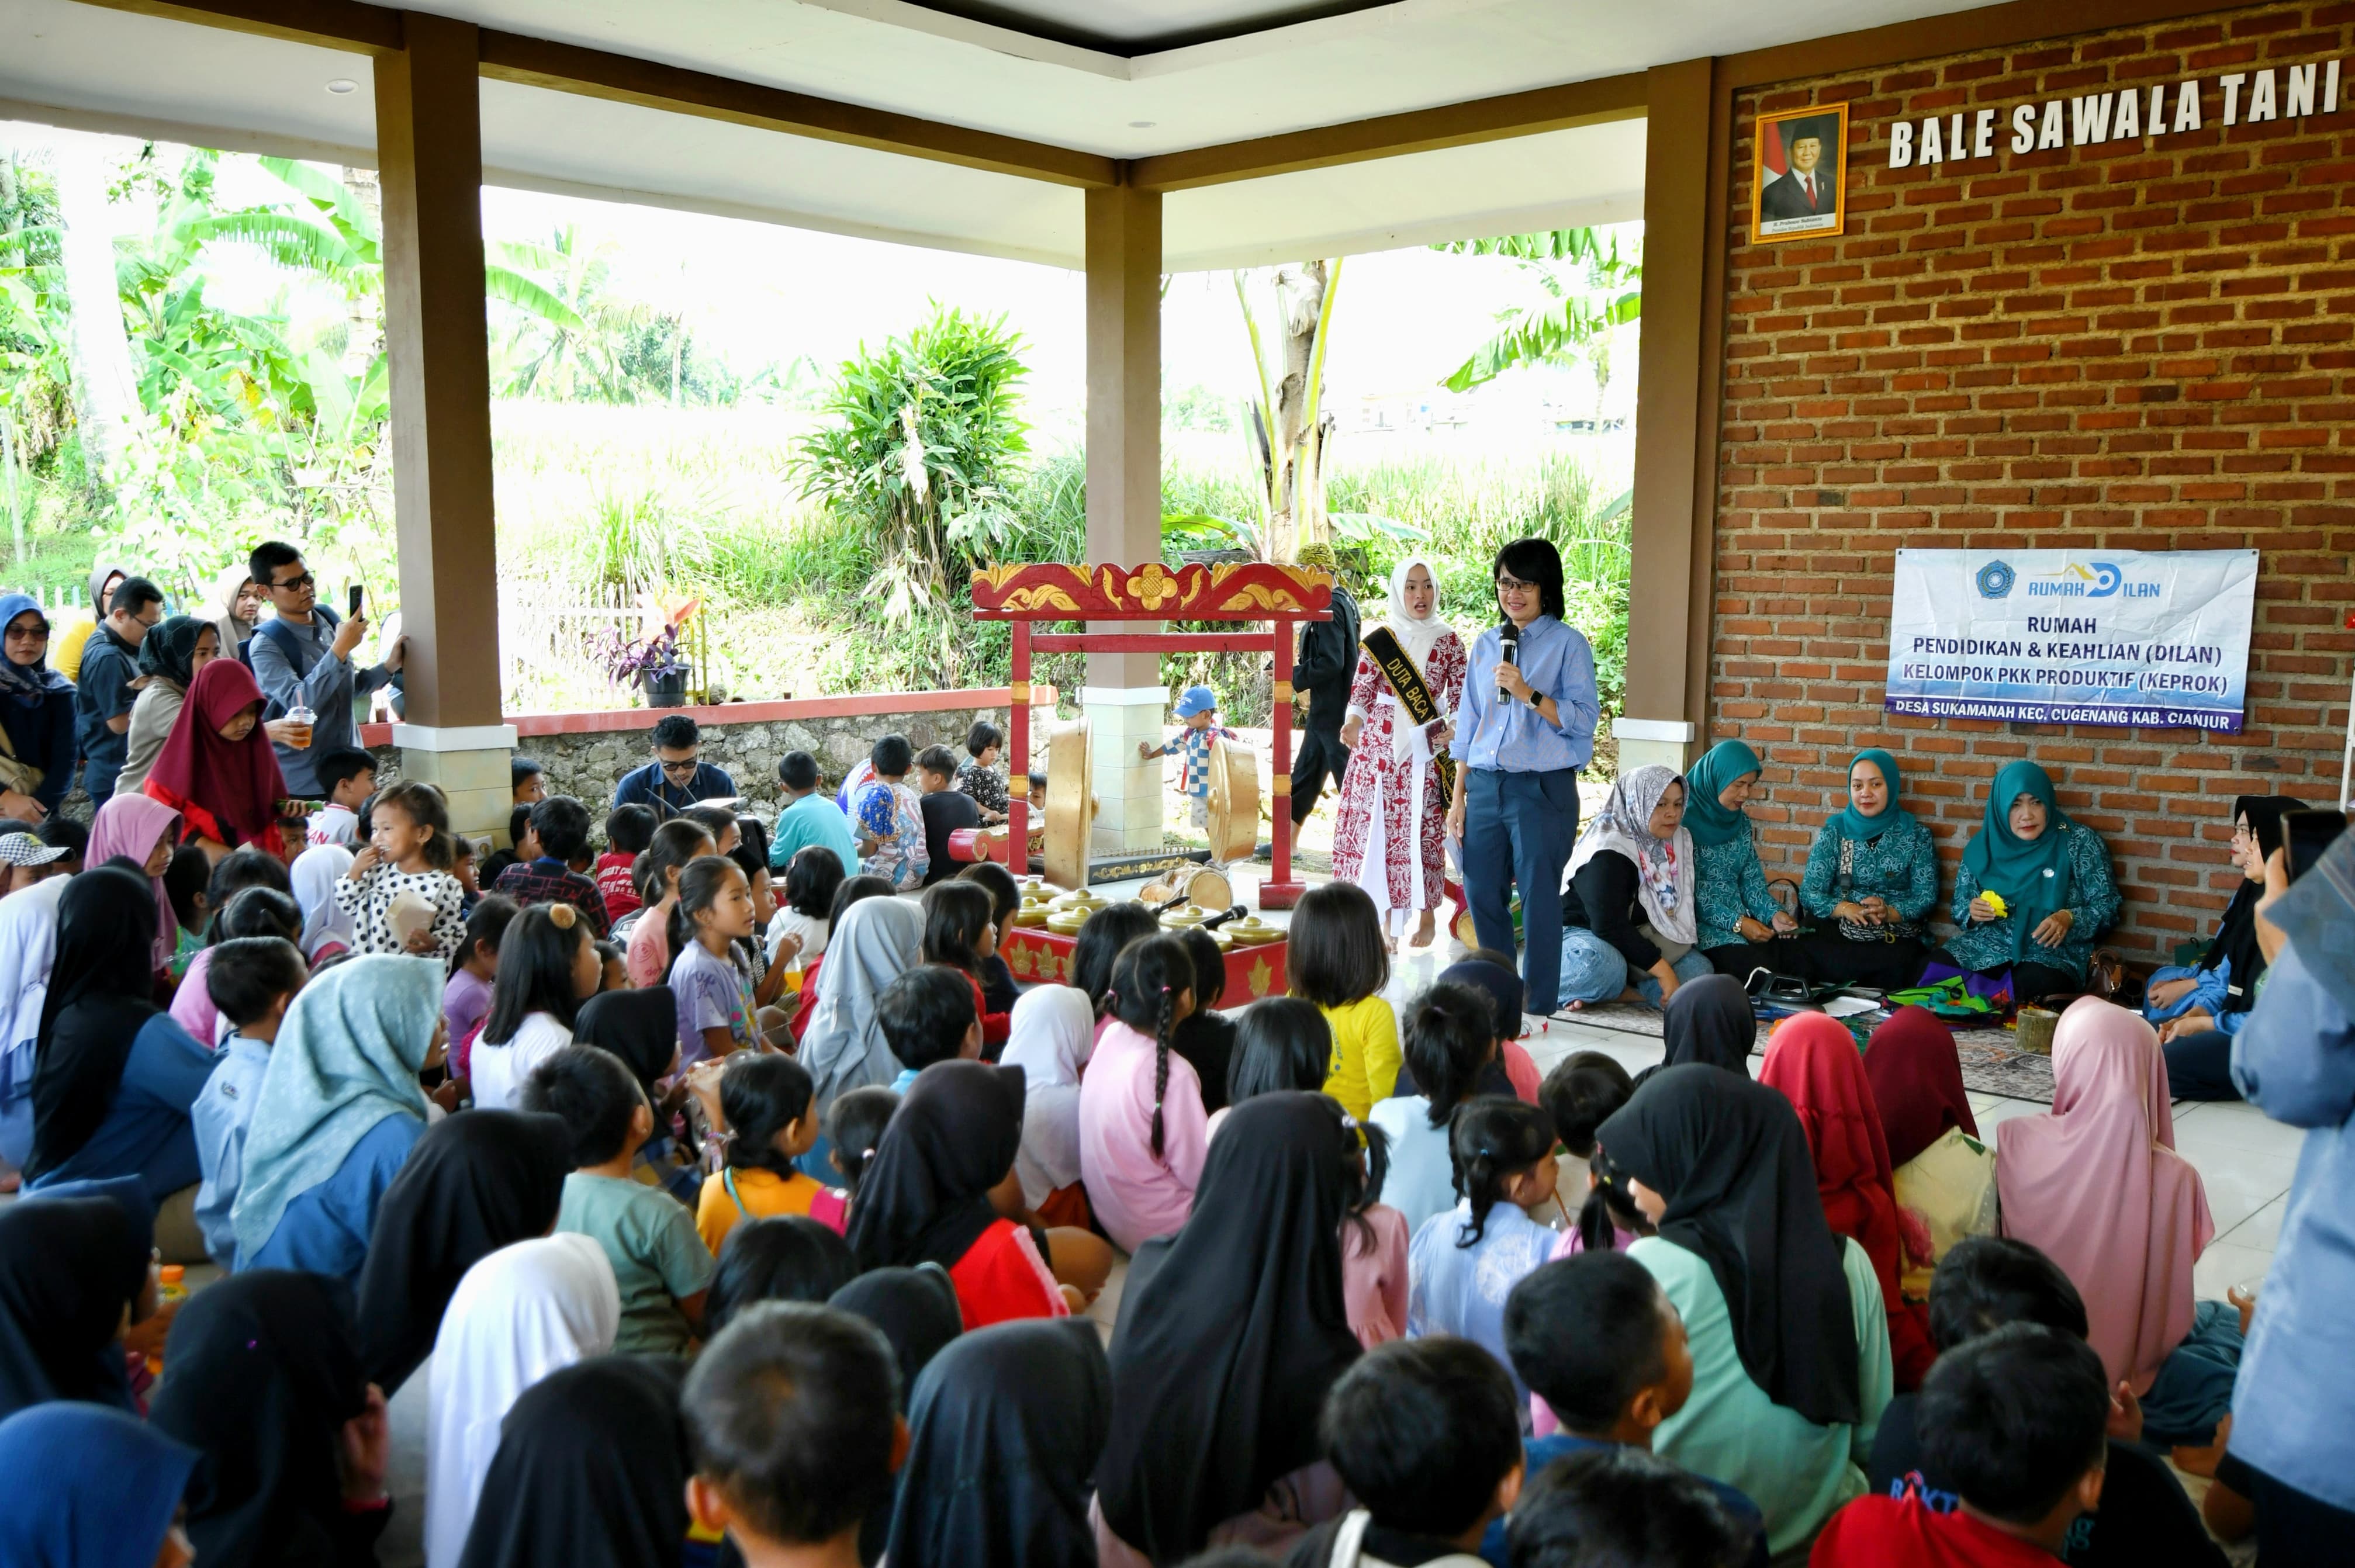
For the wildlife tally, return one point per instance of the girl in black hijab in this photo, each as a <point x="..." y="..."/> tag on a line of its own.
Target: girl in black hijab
<point x="262" y="1374"/>
<point x="474" y="1183"/>
<point x="591" y="1472"/>
<point x="106" y="932"/>
<point x="917" y="1310"/>
<point x="641" y="1027"/>
<point x="1730" y="1160"/>
<point x="783" y="1257"/>
<point x="1004" y="1432"/>
<point x="1230" y="1333"/>
<point x="2199" y="1009"/>
<point x="69" y="1268"/>
<point x="1709" y="1021"/>
<point x="925" y="1196"/>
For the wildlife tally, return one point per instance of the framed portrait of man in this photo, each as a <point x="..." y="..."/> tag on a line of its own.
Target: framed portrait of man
<point x="1799" y="177"/>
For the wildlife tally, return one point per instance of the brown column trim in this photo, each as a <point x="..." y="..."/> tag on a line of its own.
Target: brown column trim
<point x="1528" y="113"/>
<point x="625" y="78"/>
<point x="1124" y="412"/>
<point x="1956" y="32"/>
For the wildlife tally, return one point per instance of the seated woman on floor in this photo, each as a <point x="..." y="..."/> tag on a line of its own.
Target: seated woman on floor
<point x="1739" y="927"/>
<point x="2095" y="1185"/>
<point x="1628" y="929"/>
<point x="1873" y="873"/>
<point x="2033" y="891"/>
<point x="2201" y="1007"/>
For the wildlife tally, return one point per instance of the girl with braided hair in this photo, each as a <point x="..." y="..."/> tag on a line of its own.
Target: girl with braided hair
<point x="1142" y="1131"/>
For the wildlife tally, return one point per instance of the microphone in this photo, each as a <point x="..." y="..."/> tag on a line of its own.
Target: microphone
<point x="1510" y="636"/>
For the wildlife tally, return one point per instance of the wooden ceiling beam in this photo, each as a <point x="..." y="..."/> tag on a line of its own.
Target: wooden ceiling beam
<point x="1388" y="135"/>
<point x="625" y="78"/>
<point x="329" y="24"/>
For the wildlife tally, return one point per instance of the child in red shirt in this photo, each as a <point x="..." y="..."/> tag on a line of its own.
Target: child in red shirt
<point x="629" y="830"/>
<point x="2018" y="1422"/>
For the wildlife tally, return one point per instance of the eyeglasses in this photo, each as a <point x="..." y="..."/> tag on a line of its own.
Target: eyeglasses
<point x="681" y="769"/>
<point x="293" y="584"/>
<point x="1504" y="581"/>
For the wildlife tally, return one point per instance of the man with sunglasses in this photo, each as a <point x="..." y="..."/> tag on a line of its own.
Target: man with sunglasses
<point x="303" y="659"/>
<point x="678" y="777"/>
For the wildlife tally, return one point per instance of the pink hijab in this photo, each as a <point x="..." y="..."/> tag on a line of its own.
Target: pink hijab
<point x="130" y="825"/>
<point x="2094" y="1186"/>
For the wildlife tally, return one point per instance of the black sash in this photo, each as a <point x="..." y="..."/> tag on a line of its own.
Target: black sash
<point x="1415" y="697"/>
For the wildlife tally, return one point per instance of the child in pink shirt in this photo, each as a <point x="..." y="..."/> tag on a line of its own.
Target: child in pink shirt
<point x="1142" y="1132"/>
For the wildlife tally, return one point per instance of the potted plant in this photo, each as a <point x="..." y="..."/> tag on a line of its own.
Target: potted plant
<point x="656" y="666"/>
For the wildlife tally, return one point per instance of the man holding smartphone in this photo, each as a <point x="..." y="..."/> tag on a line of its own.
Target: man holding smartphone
<point x="302" y="659"/>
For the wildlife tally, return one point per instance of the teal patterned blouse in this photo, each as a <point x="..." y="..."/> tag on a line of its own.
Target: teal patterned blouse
<point x="1988" y="946"/>
<point x="1900" y="865"/>
<point x="1727" y="883"/>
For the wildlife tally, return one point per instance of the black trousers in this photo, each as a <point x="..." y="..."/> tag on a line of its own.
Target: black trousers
<point x="1882" y="965"/>
<point x="2199" y="1066"/>
<point x="1782" y="954"/>
<point x="1321" y="755"/>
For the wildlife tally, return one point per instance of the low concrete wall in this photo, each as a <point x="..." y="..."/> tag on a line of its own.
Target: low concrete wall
<point x="586" y="754"/>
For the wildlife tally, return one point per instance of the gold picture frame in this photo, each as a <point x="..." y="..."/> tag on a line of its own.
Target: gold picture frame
<point x="1788" y="201"/>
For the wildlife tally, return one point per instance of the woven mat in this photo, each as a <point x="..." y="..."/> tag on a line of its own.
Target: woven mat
<point x="1993" y="1062"/>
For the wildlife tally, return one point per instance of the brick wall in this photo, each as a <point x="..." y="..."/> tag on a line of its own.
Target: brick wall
<point x="2143" y="344"/>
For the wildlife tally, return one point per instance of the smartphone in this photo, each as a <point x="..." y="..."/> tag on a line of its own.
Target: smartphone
<point x="2307" y="834"/>
<point x="356" y="592"/>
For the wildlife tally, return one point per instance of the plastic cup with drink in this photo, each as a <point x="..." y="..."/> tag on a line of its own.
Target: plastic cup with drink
<point x="301" y="715"/>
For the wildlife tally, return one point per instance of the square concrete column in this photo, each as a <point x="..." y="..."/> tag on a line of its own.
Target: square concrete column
<point x="437" y="346"/>
<point x="1673" y="530"/>
<point x="1123" y="695"/>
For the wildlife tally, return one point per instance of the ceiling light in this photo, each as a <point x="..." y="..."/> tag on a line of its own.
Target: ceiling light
<point x="1143" y="124"/>
<point x="342" y="85"/>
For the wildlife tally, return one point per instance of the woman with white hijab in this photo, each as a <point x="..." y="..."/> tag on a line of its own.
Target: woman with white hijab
<point x="28" y="946"/>
<point x="523" y="1312"/>
<point x="234" y="607"/>
<point x="1389" y="834"/>
<point x="1627" y="911"/>
<point x="1051" y="1034"/>
<point x="326" y="924"/>
<point x="880" y="940"/>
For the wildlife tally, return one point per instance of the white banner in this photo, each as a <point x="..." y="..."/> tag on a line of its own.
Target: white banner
<point x="2055" y="636"/>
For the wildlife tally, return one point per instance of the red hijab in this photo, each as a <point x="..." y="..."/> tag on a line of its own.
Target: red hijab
<point x="1813" y="1059"/>
<point x="1917" y="1081"/>
<point x="228" y="790"/>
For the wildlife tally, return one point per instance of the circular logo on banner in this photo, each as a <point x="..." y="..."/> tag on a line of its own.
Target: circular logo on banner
<point x="1994" y="579"/>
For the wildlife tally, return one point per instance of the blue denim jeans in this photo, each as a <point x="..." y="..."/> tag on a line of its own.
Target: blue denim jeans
<point x="1593" y="971"/>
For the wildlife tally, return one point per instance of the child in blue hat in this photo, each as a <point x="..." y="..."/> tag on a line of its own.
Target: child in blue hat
<point x="1197" y="709"/>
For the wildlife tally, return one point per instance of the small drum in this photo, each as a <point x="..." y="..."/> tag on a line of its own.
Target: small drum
<point x="970" y="845"/>
<point x="1203" y="885"/>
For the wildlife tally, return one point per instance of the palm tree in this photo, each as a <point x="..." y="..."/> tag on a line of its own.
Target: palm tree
<point x="578" y="355"/>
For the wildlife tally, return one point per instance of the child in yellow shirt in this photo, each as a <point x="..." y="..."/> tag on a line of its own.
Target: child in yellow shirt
<point x="1337" y="959"/>
<point x="769" y="1106"/>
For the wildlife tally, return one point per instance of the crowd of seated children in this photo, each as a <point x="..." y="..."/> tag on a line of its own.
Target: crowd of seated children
<point x="677" y="1280"/>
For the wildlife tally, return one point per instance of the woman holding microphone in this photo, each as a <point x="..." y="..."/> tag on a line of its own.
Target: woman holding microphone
<point x="1525" y="728"/>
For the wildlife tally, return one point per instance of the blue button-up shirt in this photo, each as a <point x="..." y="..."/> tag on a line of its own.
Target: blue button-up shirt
<point x="2295" y="1062"/>
<point x="649" y="785"/>
<point x="1512" y="736"/>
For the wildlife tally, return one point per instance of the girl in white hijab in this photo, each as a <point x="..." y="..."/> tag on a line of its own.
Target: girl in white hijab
<point x="523" y="1312"/>
<point x="1627" y="899"/>
<point x="880" y="939"/>
<point x="1052" y="1032"/>
<point x="1389" y="834"/>
<point x="326" y="924"/>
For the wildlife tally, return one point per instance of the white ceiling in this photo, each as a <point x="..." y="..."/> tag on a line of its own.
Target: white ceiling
<point x="66" y="63"/>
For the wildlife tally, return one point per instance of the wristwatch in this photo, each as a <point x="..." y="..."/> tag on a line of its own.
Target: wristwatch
<point x="1537" y="698"/>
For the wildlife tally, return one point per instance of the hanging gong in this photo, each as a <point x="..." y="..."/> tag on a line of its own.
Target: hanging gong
<point x="1234" y="801"/>
<point x="1070" y="802"/>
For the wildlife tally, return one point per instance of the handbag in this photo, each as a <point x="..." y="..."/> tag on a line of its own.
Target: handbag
<point x="16" y="774"/>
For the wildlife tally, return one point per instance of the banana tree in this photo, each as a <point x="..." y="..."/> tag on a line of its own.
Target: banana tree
<point x="1291" y="430"/>
<point x="1581" y="289"/>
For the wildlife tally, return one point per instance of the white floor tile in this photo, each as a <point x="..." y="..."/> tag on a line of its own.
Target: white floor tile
<point x="2224" y="1265"/>
<point x="2232" y="1124"/>
<point x="2239" y="1181"/>
<point x="2261" y="1230"/>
